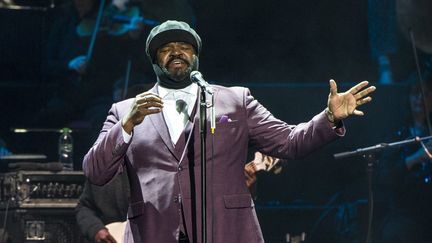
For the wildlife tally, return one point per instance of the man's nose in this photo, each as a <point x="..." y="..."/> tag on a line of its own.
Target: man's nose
<point x="175" y="52"/>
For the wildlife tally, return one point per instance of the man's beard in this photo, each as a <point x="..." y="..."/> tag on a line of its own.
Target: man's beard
<point x="177" y="80"/>
<point x="178" y="75"/>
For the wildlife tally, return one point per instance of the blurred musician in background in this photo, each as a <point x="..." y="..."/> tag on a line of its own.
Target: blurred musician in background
<point x="406" y="173"/>
<point x="99" y="206"/>
<point x="83" y="69"/>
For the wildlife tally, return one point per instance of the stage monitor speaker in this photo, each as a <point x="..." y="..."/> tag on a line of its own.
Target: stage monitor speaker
<point x="54" y="225"/>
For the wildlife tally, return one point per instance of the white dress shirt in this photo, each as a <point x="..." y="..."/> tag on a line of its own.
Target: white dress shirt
<point x="176" y="120"/>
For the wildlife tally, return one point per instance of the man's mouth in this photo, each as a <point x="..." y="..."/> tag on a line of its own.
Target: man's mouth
<point x="177" y="63"/>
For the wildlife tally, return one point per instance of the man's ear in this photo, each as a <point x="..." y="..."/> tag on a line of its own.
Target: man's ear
<point x="195" y="64"/>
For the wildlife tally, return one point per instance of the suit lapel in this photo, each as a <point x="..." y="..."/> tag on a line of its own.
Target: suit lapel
<point x="159" y="124"/>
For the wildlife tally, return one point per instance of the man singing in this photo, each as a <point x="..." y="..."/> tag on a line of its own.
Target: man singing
<point x="155" y="137"/>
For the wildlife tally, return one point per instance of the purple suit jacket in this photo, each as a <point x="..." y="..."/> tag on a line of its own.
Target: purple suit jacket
<point x="164" y="184"/>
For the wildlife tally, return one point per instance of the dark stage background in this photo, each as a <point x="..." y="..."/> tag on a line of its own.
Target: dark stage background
<point x="272" y="44"/>
<point x="285" y="51"/>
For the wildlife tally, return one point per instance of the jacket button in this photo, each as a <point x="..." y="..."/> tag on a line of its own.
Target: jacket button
<point x="180" y="168"/>
<point x="177" y="199"/>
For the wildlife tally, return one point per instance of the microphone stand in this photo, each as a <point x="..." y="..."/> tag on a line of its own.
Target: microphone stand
<point x="203" y="136"/>
<point x="372" y="149"/>
<point x="203" y="130"/>
<point x="369" y="154"/>
<point x="205" y="88"/>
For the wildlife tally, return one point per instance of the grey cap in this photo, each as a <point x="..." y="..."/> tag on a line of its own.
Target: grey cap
<point x="171" y="31"/>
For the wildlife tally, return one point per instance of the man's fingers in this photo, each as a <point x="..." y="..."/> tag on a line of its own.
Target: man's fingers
<point x="358" y="113"/>
<point x="150" y="108"/>
<point x="150" y="105"/>
<point x="363" y="101"/>
<point x="333" y="87"/>
<point x="153" y="111"/>
<point x="364" y="92"/>
<point x="147" y="93"/>
<point x="358" y="87"/>
<point x="148" y="97"/>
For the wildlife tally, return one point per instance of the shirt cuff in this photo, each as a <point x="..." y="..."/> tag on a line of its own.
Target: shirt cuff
<point x="339" y="124"/>
<point x="126" y="137"/>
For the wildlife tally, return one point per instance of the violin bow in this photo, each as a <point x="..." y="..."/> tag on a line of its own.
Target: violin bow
<point x="95" y="30"/>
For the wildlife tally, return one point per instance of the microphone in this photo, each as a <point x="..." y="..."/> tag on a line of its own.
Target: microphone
<point x="196" y="77"/>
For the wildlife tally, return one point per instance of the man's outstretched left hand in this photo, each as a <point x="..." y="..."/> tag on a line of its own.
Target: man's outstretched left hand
<point x="342" y="105"/>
